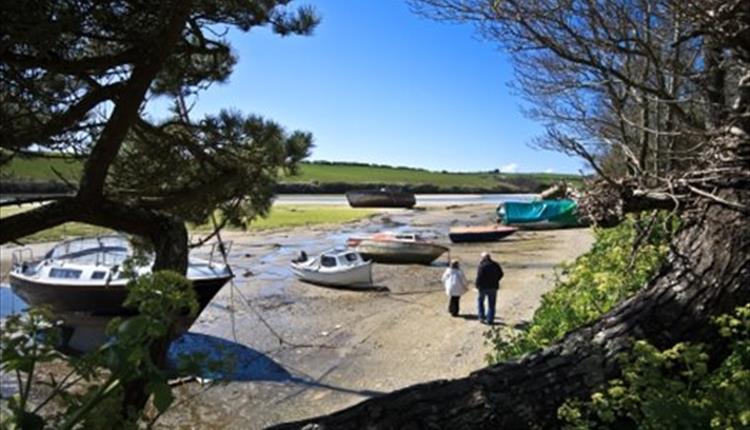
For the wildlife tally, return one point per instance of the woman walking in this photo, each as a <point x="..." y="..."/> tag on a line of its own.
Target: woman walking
<point x="455" y="286"/>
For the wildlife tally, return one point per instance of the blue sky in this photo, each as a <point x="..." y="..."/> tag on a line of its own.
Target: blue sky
<point x="377" y="84"/>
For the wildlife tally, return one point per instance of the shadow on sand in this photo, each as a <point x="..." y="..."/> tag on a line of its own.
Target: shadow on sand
<point x="368" y="288"/>
<point x="230" y="361"/>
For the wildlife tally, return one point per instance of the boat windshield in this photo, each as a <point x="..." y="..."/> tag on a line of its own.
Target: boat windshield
<point x="106" y="250"/>
<point x="408" y="236"/>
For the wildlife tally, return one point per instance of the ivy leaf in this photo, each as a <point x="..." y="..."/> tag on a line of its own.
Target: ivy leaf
<point x="163" y="397"/>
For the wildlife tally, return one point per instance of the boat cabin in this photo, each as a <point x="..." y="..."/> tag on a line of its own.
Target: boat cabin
<point x="339" y="258"/>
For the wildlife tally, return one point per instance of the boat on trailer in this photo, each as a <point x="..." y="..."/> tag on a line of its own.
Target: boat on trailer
<point x="481" y="233"/>
<point x="382" y="198"/>
<point x="88" y="275"/>
<point x="397" y="248"/>
<point x="336" y="267"/>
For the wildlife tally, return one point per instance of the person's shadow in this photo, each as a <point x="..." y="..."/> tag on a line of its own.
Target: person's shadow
<point x="473" y="317"/>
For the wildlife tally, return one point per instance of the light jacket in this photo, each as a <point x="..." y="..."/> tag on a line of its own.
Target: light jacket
<point x="454" y="282"/>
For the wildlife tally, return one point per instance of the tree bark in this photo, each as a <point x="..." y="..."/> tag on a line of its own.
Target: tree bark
<point x="707" y="274"/>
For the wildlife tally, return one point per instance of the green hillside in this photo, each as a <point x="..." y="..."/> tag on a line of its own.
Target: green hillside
<point x="320" y="172"/>
<point x="41" y="169"/>
<point x="355" y="174"/>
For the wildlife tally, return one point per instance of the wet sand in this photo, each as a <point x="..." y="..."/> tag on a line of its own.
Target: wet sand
<point x="302" y="350"/>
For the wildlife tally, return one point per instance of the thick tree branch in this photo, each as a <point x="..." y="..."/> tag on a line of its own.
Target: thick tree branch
<point x="126" y="109"/>
<point x="37" y="219"/>
<point x="72" y="116"/>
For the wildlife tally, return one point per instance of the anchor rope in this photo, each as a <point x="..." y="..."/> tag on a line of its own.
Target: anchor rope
<point x="248" y="304"/>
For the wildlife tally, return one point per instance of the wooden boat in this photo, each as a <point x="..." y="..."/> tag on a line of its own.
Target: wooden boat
<point x="396" y="248"/>
<point x="86" y="275"/>
<point x="382" y="198"/>
<point x="336" y="267"/>
<point x="484" y="233"/>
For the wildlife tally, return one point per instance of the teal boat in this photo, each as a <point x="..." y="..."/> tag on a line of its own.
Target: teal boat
<point x="540" y="214"/>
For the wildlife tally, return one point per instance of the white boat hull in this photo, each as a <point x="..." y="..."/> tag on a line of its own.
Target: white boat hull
<point x="399" y="252"/>
<point x="356" y="276"/>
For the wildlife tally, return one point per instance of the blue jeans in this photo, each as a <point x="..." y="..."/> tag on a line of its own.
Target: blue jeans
<point x="491" y="299"/>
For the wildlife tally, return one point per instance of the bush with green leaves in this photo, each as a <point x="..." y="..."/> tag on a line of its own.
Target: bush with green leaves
<point x="620" y="262"/>
<point x="674" y="388"/>
<point x="90" y="394"/>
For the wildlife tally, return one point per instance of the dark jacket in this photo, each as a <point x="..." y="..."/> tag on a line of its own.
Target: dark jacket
<point x="489" y="274"/>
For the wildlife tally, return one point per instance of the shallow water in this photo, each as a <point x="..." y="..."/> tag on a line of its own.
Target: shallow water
<point x="9" y="302"/>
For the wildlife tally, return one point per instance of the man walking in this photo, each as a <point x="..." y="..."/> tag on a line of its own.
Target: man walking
<point x="489" y="274"/>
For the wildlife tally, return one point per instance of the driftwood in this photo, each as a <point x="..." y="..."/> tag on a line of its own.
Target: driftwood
<point x="557" y="191"/>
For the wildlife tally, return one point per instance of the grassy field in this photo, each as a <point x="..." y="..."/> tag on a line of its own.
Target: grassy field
<point x="281" y="216"/>
<point x="43" y="170"/>
<point x="284" y="216"/>
<point x="367" y="174"/>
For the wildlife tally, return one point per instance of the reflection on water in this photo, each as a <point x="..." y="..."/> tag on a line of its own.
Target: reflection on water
<point x="9" y="302"/>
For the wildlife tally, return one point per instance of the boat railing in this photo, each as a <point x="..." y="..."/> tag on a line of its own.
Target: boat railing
<point x="20" y="256"/>
<point x="216" y="248"/>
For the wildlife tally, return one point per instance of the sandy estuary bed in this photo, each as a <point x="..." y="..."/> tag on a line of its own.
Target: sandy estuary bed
<point x="301" y="350"/>
<point x="298" y="350"/>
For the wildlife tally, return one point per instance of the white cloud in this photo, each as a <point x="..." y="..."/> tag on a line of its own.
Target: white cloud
<point x="509" y="168"/>
<point x="549" y="171"/>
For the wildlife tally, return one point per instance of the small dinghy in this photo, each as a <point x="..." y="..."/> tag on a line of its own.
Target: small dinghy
<point x="481" y="233"/>
<point x="396" y="248"/>
<point x="337" y="267"/>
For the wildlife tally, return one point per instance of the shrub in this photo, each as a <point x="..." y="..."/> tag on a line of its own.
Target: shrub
<point x="674" y="388"/>
<point x="620" y="262"/>
<point x="91" y="395"/>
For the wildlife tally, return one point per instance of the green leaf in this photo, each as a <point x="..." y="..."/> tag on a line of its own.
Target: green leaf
<point x="163" y="397"/>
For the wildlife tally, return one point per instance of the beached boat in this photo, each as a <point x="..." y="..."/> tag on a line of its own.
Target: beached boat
<point x="482" y="233"/>
<point x="336" y="267"/>
<point x="86" y="275"/>
<point x="396" y="248"/>
<point x="382" y="198"/>
<point x="540" y="214"/>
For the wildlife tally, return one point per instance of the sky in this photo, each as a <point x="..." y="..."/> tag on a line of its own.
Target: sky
<point x="376" y="83"/>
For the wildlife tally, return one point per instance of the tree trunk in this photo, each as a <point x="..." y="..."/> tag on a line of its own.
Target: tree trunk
<point x="707" y="274"/>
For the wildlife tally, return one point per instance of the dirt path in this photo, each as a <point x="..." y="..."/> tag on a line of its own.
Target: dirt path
<point x="300" y="350"/>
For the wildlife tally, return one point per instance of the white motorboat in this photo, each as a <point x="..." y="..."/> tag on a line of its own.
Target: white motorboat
<point x="87" y="275"/>
<point x="336" y="267"/>
<point x="396" y="248"/>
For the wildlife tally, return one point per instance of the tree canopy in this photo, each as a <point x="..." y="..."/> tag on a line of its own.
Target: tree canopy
<point x="77" y="80"/>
